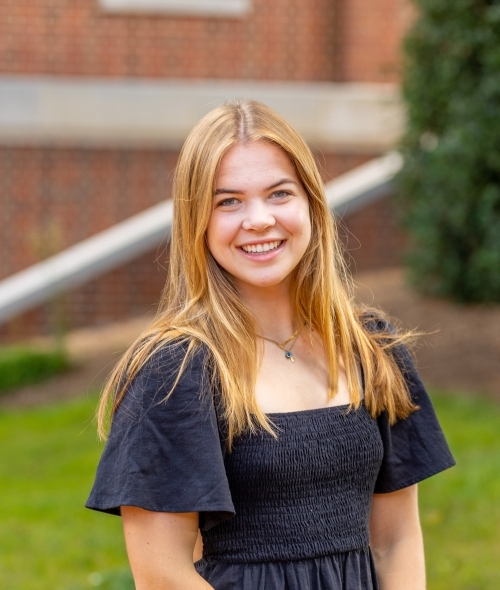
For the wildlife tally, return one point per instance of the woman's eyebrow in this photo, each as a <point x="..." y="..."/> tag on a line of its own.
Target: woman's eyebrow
<point x="232" y="191"/>
<point x="281" y="181"/>
<point x="227" y="191"/>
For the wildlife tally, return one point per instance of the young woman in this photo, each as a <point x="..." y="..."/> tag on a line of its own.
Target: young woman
<point x="262" y="407"/>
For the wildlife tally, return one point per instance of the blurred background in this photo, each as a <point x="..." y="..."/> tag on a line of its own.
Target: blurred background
<point x="400" y="103"/>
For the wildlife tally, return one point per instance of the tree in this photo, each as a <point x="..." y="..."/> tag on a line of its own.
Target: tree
<point x="450" y="181"/>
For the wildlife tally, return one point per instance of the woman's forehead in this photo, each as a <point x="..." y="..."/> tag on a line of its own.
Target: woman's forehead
<point x="257" y="162"/>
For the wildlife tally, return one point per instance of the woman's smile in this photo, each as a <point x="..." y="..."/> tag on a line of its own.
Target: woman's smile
<point x="262" y="247"/>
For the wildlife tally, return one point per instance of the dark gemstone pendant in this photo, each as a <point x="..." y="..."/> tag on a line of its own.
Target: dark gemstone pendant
<point x="289" y="355"/>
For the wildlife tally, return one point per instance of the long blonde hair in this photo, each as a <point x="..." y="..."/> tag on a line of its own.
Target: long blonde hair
<point x="201" y="305"/>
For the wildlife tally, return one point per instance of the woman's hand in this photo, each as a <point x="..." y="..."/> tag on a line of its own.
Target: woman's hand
<point x="396" y="540"/>
<point x="160" y="549"/>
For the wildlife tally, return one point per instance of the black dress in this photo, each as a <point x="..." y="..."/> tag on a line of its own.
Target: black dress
<point x="288" y="513"/>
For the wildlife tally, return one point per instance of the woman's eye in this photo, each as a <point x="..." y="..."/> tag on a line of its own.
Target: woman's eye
<point x="281" y="194"/>
<point x="227" y="202"/>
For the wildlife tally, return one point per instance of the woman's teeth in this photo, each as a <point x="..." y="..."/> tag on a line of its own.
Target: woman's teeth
<point x="261" y="247"/>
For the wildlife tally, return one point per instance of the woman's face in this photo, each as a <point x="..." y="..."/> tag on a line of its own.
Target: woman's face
<point x="260" y="225"/>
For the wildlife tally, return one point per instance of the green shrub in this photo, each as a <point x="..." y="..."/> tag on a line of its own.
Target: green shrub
<point x="450" y="182"/>
<point x="22" y="365"/>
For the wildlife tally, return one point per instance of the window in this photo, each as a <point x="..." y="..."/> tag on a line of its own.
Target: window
<point x="223" y="8"/>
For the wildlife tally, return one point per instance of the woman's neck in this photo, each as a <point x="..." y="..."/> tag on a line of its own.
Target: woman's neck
<point x="272" y="311"/>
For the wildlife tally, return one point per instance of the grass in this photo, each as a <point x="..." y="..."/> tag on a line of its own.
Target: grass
<point x="460" y="508"/>
<point x="49" y="541"/>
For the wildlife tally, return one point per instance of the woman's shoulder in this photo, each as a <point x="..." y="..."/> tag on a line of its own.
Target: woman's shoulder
<point x="173" y="354"/>
<point x="175" y="374"/>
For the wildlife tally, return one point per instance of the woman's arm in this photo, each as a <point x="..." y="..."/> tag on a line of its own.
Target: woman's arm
<point x="160" y="549"/>
<point x="396" y="540"/>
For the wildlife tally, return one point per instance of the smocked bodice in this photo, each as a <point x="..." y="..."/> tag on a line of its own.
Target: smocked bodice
<point x="305" y="494"/>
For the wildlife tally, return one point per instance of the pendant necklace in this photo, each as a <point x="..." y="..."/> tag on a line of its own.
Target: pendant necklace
<point x="288" y="353"/>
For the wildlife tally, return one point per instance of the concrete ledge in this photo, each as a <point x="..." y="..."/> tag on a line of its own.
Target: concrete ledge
<point x="43" y="110"/>
<point x="215" y="8"/>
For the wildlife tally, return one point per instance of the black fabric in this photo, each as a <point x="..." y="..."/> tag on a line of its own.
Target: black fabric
<point x="353" y="570"/>
<point x="165" y="456"/>
<point x="303" y="495"/>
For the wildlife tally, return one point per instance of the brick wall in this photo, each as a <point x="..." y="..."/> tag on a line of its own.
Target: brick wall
<point x="368" y="38"/>
<point x="53" y="198"/>
<point x="373" y="236"/>
<point x="332" y="165"/>
<point x="280" y="40"/>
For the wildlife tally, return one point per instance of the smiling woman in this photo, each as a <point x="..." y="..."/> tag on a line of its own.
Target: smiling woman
<point x="298" y="475"/>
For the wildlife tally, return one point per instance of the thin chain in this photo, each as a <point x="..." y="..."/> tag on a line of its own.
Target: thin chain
<point x="283" y="344"/>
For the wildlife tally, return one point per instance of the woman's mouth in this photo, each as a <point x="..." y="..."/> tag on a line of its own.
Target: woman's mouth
<point x="261" y="248"/>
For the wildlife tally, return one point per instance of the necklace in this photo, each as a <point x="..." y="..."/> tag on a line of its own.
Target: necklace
<point x="288" y="353"/>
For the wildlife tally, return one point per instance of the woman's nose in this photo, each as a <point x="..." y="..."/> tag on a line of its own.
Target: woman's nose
<point x="258" y="217"/>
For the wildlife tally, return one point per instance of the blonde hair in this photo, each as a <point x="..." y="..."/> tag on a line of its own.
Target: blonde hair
<point x="201" y="305"/>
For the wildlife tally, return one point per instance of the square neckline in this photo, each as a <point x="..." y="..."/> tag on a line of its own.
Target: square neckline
<point x="337" y="407"/>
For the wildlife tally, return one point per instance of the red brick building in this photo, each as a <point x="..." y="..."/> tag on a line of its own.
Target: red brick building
<point x="97" y="95"/>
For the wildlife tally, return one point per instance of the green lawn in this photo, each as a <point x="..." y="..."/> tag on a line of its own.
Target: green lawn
<point x="460" y="508"/>
<point x="49" y="541"/>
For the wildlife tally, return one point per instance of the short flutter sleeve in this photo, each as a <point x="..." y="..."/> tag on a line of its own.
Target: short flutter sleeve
<point x="165" y="455"/>
<point x="414" y="448"/>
